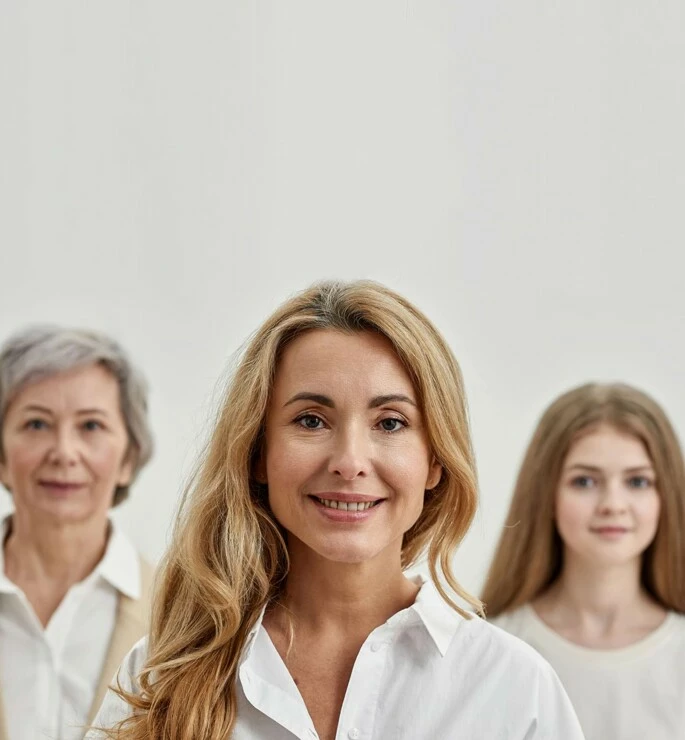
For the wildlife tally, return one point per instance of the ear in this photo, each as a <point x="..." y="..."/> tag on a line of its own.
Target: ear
<point x="3" y="473"/>
<point x="259" y="466"/>
<point x="126" y="469"/>
<point x="434" y="474"/>
<point x="259" y="469"/>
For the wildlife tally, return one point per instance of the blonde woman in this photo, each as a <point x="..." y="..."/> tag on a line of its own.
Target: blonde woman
<point x="74" y="594"/>
<point x="341" y="453"/>
<point x="590" y="568"/>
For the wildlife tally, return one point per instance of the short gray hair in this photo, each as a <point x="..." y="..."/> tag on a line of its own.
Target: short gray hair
<point x="39" y="352"/>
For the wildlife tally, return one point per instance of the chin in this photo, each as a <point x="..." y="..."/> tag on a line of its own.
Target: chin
<point x="68" y="513"/>
<point x="614" y="559"/>
<point x="349" y="555"/>
<point x="344" y="552"/>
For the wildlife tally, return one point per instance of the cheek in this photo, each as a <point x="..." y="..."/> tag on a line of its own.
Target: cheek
<point x="22" y="459"/>
<point x="406" y="472"/>
<point x="106" y="460"/>
<point x="648" y="511"/>
<point x="288" y="471"/>
<point x="288" y="465"/>
<point x="572" y="515"/>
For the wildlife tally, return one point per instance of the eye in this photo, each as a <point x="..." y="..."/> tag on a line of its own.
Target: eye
<point x="391" y="424"/>
<point x="35" y="424"/>
<point x="583" y="481"/>
<point x="92" y="425"/>
<point x="640" y="481"/>
<point x="310" y="421"/>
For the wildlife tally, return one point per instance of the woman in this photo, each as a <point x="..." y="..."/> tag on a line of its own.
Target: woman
<point x="590" y="568"/>
<point x="342" y="452"/>
<point x="73" y="593"/>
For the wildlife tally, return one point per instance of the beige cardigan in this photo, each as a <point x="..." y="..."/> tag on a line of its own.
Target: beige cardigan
<point x="131" y="624"/>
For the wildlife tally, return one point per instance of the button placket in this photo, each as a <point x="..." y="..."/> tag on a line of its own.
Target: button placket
<point x="359" y="708"/>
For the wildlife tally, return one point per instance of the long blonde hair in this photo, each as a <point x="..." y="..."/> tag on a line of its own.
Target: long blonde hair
<point x="528" y="558"/>
<point x="228" y="557"/>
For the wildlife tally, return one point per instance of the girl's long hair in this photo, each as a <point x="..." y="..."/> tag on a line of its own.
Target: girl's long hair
<point x="228" y="558"/>
<point x="528" y="558"/>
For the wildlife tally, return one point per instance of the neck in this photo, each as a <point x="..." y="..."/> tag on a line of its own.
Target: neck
<point x="349" y="598"/>
<point x="587" y="594"/>
<point x="48" y="552"/>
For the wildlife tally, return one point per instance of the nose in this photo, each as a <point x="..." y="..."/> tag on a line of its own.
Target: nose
<point x="613" y="499"/>
<point x="349" y="457"/>
<point x="64" y="449"/>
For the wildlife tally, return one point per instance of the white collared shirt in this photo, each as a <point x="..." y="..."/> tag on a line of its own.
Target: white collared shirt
<point x="49" y="675"/>
<point x="426" y="674"/>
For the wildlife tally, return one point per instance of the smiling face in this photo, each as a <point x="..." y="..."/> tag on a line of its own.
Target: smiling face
<point x="346" y="459"/>
<point x="607" y="506"/>
<point x="64" y="445"/>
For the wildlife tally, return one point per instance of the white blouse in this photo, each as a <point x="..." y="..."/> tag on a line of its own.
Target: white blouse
<point x="49" y="676"/>
<point x="426" y="673"/>
<point x="631" y="693"/>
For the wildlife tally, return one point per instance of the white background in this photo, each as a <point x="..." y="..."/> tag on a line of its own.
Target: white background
<point x="169" y="172"/>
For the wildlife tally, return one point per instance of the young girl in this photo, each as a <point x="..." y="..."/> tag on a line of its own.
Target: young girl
<point x="590" y="567"/>
<point x="342" y="452"/>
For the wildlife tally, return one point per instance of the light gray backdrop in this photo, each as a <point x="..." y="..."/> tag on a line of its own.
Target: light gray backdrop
<point x="169" y="172"/>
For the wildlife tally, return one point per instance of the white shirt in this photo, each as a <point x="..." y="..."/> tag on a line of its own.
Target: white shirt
<point x="49" y="676"/>
<point x="427" y="673"/>
<point x="631" y="693"/>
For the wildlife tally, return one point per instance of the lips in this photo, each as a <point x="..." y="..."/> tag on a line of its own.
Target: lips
<point x="346" y="507"/>
<point x="61" y="485"/>
<point x="610" y="530"/>
<point x="357" y="498"/>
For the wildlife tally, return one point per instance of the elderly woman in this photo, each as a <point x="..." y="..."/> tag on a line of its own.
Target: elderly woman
<point x="73" y="591"/>
<point x="341" y="454"/>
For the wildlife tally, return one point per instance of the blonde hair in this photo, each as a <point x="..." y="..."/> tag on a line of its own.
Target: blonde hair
<point x="228" y="558"/>
<point x="528" y="558"/>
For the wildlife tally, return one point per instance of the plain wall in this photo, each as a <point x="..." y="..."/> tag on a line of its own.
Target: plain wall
<point x="169" y="172"/>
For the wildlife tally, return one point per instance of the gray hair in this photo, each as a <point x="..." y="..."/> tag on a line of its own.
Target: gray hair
<point x="43" y="351"/>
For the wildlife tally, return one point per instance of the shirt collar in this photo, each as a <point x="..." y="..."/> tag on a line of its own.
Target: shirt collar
<point x="440" y="620"/>
<point x="119" y="566"/>
<point x="6" y="586"/>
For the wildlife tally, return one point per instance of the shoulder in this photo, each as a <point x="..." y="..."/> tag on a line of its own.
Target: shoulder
<point x="673" y="630"/>
<point x="499" y="641"/>
<point x="134" y="660"/>
<point x="513" y="676"/>
<point x="678" y="620"/>
<point x="113" y="708"/>
<point x="513" y="621"/>
<point x="147" y="574"/>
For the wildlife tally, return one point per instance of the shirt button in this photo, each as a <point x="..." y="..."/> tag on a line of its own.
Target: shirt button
<point x="375" y="647"/>
<point x="354" y="734"/>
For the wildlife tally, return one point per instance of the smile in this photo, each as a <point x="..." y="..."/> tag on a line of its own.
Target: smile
<point x="346" y="505"/>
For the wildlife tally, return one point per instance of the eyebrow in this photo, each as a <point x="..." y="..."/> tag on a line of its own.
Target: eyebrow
<point x="373" y="403"/>
<point x="45" y="410"/>
<point x="595" y="469"/>
<point x="36" y="407"/>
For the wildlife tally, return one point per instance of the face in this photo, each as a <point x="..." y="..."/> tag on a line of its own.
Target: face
<point x="65" y="446"/>
<point x="607" y="509"/>
<point x="347" y="460"/>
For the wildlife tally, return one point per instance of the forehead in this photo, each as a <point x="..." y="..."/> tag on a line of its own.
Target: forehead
<point x="336" y="361"/>
<point x="91" y="386"/>
<point x="606" y="446"/>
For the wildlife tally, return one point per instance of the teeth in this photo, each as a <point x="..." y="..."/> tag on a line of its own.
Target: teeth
<point x="345" y="506"/>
